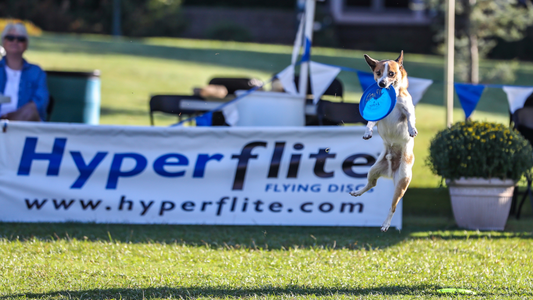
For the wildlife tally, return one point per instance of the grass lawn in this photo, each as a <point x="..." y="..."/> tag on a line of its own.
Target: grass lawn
<point x="89" y="261"/>
<point x="98" y="261"/>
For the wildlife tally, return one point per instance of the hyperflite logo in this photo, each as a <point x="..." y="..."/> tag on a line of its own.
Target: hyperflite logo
<point x="87" y="165"/>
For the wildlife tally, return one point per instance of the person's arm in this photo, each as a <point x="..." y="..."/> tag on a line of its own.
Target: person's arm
<point x="41" y="96"/>
<point x="27" y="112"/>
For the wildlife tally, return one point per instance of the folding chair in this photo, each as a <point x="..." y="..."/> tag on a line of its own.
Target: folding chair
<point x="170" y="104"/>
<point x="523" y="122"/>
<point x="337" y="113"/>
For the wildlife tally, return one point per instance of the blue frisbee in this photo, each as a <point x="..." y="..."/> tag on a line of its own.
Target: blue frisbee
<point x="377" y="103"/>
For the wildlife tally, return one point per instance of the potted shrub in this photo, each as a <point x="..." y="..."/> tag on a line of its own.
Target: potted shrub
<point x="481" y="163"/>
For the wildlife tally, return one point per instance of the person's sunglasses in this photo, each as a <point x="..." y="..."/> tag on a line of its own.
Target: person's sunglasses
<point x="11" y="38"/>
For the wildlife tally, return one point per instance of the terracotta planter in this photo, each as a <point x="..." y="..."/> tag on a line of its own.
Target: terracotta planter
<point x="479" y="203"/>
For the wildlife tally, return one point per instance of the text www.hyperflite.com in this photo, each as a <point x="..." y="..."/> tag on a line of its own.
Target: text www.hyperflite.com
<point x="218" y="207"/>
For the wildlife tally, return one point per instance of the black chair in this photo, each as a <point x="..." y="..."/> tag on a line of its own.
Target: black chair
<point x="234" y="84"/>
<point x="170" y="104"/>
<point x="337" y="113"/>
<point x="522" y="120"/>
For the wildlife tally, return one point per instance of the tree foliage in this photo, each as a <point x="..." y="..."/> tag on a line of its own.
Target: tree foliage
<point x="139" y="17"/>
<point x="479" y="23"/>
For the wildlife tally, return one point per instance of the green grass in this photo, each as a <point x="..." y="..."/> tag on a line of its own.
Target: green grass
<point x="89" y="261"/>
<point x="103" y="261"/>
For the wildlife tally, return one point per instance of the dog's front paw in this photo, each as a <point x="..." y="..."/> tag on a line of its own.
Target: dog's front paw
<point x="355" y="194"/>
<point x="367" y="135"/>
<point x="413" y="132"/>
<point x="385" y="226"/>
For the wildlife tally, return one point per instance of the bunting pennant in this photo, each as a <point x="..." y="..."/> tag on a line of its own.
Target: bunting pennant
<point x="286" y="77"/>
<point x="469" y="95"/>
<point x="321" y="77"/>
<point x="231" y="114"/>
<point x="418" y="87"/>
<point x="517" y="96"/>
<point x="366" y="79"/>
<point x="204" y="119"/>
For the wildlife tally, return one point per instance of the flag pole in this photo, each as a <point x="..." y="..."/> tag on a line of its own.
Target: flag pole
<point x="308" y="36"/>
<point x="449" y="65"/>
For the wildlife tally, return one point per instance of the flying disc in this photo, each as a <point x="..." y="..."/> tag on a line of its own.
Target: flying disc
<point x="456" y="291"/>
<point x="377" y="103"/>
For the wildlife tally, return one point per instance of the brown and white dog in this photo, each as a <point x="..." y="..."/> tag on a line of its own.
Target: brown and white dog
<point x="397" y="131"/>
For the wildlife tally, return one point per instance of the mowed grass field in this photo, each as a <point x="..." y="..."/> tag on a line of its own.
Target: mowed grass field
<point x="99" y="261"/>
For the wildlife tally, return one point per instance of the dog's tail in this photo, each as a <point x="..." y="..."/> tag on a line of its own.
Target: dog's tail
<point x="389" y="160"/>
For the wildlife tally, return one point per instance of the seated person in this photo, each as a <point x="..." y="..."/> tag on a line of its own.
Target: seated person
<point x="24" y="83"/>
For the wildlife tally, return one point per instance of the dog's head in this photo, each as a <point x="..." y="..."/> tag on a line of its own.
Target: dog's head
<point x="387" y="72"/>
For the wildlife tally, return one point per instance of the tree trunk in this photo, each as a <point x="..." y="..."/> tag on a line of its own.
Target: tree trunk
<point x="474" y="59"/>
<point x="473" y="51"/>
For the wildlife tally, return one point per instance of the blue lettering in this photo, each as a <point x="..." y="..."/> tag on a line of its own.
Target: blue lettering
<point x="303" y="187"/>
<point x="202" y="160"/>
<point x="115" y="172"/>
<point x="333" y="188"/>
<point x="84" y="169"/>
<point x="161" y="162"/>
<point x="54" y="158"/>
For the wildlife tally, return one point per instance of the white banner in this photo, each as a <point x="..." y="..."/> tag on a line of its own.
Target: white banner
<point x="52" y="172"/>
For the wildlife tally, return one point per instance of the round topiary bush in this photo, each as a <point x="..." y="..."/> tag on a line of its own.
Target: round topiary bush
<point x="480" y="149"/>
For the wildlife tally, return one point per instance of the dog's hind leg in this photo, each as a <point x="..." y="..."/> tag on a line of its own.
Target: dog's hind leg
<point x="402" y="178"/>
<point x="380" y="168"/>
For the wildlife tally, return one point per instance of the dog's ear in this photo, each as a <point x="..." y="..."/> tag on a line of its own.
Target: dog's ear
<point x="399" y="60"/>
<point x="371" y="62"/>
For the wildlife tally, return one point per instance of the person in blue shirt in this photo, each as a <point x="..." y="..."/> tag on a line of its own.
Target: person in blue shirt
<point x="23" y="91"/>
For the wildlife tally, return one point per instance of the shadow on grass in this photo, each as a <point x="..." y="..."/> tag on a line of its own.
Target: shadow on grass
<point x="231" y="292"/>
<point x="115" y="111"/>
<point x="426" y="215"/>
<point x="252" y="237"/>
